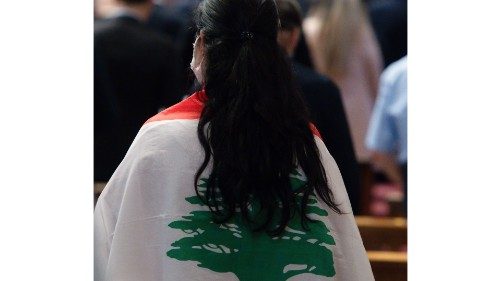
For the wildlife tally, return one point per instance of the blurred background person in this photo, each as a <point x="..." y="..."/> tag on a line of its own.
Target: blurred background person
<point x="166" y="20"/>
<point x="387" y="134"/>
<point x="305" y="5"/>
<point x="389" y="20"/>
<point x="136" y="72"/>
<point x="344" y="48"/>
<point x="168" y="17"/>
<point x="173" y="18"/>
<point x="302" y="54"/>
<point x="323" y="100"/>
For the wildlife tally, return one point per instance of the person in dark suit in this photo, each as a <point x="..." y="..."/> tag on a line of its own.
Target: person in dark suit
<point x="136" y="73"/>
<point x="168" y="22"/>
<point x="390" y="23"/>
<point x="324" y="102"/>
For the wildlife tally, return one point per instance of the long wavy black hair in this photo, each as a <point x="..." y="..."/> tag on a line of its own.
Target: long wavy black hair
<point x="254" y="125"/>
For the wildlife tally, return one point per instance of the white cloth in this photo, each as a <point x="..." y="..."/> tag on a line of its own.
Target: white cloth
<point x="138" y="215"/>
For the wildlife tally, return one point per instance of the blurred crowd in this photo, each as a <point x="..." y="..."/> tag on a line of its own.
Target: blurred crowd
<point x="348" y="57"/>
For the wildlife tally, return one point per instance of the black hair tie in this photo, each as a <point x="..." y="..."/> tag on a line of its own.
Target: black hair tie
<point x="246" y="36"/>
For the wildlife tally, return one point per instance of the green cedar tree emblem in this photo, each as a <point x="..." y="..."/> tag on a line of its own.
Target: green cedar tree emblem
<point x="233" y="247"/>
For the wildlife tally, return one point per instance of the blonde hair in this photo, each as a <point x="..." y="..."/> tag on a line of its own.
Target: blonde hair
<point x="342" y="22"/>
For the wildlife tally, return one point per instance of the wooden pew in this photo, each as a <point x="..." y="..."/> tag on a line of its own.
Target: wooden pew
<point x="385" y="240"/>
<point x="389" y="266"/>
<point x="383" y="234"/>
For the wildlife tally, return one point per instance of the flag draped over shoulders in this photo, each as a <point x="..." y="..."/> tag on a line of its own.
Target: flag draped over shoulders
<point x="150" y="225"/>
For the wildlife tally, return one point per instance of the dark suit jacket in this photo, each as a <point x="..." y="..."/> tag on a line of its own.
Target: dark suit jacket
<point x="136" y="72"/>
<point x="177" y="23"/>
<point x="327" y="111"/>
<point x="167" y="22"/>
<point x="390" y="23"/>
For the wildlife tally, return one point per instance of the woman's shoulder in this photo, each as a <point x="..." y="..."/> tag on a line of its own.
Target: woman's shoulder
<point x="173" y="128"/>
<point x="188" y="109"/>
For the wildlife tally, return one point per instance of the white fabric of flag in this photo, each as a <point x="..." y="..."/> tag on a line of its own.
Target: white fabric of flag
<point x="149" y="225"/>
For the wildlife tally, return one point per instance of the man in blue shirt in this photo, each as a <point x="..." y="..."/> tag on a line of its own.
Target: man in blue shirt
<point x="387" y="134"/>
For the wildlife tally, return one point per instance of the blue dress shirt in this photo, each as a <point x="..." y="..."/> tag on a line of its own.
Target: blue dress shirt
<point x="387" y="131"/>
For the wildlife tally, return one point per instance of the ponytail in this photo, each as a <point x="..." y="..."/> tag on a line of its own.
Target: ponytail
<point x="254" y="125"/>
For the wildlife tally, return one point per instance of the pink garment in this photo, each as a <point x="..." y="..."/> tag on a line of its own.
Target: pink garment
<point x="359" y="84"/>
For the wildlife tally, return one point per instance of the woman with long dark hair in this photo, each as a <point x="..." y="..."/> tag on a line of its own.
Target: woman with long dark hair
<point x="232" y="183"/>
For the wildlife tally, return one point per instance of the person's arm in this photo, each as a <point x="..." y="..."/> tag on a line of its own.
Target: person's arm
<point x="381" y="135"/>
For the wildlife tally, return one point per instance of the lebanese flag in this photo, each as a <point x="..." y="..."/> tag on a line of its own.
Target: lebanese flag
<point x="149" y="225"/>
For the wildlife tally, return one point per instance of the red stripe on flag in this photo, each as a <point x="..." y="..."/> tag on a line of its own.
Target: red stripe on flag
<point x="190" y="109"/>
<point x="315" y="130"/>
